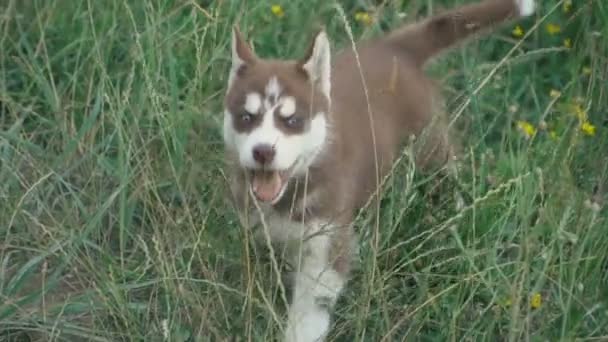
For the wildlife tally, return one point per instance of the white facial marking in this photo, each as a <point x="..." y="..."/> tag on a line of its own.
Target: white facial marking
<point x="273" y="88"/>
<point x="294" y="152"/>
<point x="253" y="103"/>
<point x="288" y="106"/>
<point x="526" y="7"/>
<point x="310" y="143"/>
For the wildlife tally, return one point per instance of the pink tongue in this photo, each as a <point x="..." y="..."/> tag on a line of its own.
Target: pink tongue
<point x="266" y="185"/>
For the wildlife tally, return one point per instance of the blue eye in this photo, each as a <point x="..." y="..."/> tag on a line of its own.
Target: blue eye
<point x="293" y="121"/>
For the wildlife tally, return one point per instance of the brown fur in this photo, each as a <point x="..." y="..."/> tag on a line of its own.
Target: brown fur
<point x="380" y="98"/>
<point x="403" y="102"/>
<point x="433" y="35"/>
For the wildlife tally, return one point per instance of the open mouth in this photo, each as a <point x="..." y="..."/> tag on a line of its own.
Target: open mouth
<point x="269" y="185"/>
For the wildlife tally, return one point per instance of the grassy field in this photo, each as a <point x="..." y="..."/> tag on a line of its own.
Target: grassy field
<point x="113" y="219"/>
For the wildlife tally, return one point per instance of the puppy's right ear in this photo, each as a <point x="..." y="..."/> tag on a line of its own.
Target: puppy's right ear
<point x="242" y="54"/>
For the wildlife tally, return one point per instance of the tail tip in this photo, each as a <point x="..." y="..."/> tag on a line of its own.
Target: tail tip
<point x="525" y="7"/>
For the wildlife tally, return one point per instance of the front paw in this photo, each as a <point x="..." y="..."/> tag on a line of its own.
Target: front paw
<point x="309" y="325"/>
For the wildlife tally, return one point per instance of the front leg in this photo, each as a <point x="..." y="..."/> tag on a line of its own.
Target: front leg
<point x="318" y="282"/>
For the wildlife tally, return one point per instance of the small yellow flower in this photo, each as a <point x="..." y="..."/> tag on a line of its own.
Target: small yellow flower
<point x="364" y="18"/>
<point x="277" y="10"/>
<point x="567" y="43"/>
<point x="518" y="31"/>
<point x="588" y="128"/>
<point x="527" y="128"/>
<point x="553" y="29"/>
<point x="586" y="71"/>
<point x="536" y="301"/>
<point x="554" y="93"/>
<point x="567" y="6"/>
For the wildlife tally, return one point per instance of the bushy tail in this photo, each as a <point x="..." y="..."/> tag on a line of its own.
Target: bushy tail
<point x="429" y="37"/>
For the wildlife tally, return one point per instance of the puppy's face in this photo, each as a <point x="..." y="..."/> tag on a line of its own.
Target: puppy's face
<point x="275" y="118"/>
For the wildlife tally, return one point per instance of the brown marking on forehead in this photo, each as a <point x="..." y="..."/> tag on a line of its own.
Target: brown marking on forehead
<point x="293" y="82"/>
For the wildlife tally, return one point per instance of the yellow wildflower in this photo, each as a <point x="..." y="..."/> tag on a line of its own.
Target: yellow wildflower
<point x="536" y="301"/>
<point x="554" y="93"/>
<point x="364" y="18"/>
<point x="518" y="31"/>
<point x="588" y="128"/>
<point x="586" y="71"/>
<point x="527" y="128"/>
<point x="567" y="6"/>
<point x="567" y="43"/>
<point x="277" y="10"/>
<point x="553" y="29"/>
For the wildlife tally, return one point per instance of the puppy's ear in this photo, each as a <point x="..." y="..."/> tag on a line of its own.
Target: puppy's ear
<point x="317" y="62"/>
<point x="242" y="55"/>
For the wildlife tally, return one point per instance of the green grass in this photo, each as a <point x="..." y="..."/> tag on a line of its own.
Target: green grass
<point x="114" y="224"/>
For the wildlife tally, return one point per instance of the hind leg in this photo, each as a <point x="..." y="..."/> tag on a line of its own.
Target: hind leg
<point x="436" y="147"/>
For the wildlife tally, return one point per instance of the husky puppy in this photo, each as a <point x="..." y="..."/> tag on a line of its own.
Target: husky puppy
<point x="308" y="141"/>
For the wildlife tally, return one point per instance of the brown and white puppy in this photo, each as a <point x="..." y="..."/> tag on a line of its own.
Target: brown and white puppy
<point x="308" y="141"/>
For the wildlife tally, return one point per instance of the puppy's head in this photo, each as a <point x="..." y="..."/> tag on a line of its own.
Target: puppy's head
<point x="276" y="114"/>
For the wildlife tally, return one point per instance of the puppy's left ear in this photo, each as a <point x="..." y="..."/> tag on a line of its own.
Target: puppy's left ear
<point x="317" y="63"/>
<point x="242" y="54"/>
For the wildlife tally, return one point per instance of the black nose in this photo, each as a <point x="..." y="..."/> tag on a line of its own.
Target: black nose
<point x="263" y="154"/>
